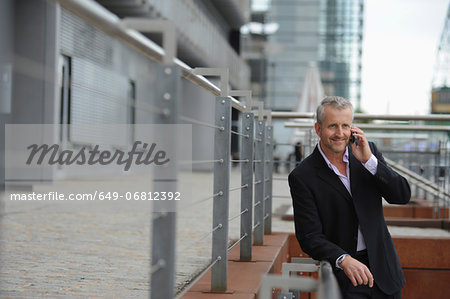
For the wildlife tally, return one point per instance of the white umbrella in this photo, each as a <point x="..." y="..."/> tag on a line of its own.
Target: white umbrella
<point x="310" y="97"/>
<point x="312" y="91"/>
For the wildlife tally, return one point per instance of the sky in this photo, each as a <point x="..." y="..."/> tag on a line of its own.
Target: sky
<point x="401" y="39"/>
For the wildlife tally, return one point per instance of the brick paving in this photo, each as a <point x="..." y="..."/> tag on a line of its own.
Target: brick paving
<point x="102" y="252"/>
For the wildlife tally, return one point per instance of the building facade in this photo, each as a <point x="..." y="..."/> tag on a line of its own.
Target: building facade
<point x="57" y="68"/>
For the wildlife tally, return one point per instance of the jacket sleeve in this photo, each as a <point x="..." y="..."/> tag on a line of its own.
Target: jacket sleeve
<point x="308" y="225"/>
<point x="394" y="188"/>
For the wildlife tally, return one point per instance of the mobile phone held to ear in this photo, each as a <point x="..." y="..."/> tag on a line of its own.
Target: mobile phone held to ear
<point x="353" y="139"/>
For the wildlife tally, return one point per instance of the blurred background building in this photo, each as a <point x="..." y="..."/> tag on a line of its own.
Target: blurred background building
<point x="291" y="35"/>
<point x="440" y="98"/>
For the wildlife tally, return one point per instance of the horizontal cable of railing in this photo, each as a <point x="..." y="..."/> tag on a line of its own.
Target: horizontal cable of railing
<point x="237" y="242"/>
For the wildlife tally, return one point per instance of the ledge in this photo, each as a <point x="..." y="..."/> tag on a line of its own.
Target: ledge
<point x="425" y="262"/>
<point x="244" y="277"/>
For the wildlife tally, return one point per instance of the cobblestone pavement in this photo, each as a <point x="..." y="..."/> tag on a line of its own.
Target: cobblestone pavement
<point x="103" y="252"/>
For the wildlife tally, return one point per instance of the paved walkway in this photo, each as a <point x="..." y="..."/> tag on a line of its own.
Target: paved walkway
<point x="104" y="252"/>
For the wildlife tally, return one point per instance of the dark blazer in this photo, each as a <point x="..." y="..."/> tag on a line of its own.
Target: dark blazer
<point x="327" y="216"/>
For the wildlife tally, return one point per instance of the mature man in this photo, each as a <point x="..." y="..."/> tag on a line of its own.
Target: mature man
<point x="337" y="196"/>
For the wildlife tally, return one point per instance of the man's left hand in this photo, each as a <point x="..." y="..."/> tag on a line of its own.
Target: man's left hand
<point x="361" y="149"/>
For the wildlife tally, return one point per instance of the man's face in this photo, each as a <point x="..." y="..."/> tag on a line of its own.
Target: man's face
<point x="334" y="132"/>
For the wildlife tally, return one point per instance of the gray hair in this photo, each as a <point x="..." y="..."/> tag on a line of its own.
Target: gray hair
<point x="333" y="101"/>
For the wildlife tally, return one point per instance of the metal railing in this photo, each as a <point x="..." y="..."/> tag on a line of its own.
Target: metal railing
<point x="427" y="128"/>
<point x="440" y="196"/>
<point x="364" y="116"/>
<point x="419" y="181"/>
<point x="326" y="285"/>
<point x="255" y="155"/>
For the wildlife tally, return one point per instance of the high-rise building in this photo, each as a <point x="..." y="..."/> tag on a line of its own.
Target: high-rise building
<point x="327" y="32"/>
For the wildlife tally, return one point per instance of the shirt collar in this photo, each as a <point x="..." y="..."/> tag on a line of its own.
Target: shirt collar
<point x="344" y="158"/>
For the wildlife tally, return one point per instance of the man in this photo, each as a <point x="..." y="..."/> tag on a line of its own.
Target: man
<point x="337" y="196"/>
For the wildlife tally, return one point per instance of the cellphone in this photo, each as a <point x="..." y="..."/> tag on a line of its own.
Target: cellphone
<point x="353" y="139"/>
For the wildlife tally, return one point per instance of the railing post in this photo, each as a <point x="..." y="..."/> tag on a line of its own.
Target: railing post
<point x="438" y="182"/>
<point x="247" y="180"/>
<point x="164" y="224"/>
<point x="222" y="150"/>
<point x="417" y="192"/>
<point x="168" y="99"/>
<point x="328" y="286"/>
<point x="268" y="170"/>
<point x="258" y="235"/>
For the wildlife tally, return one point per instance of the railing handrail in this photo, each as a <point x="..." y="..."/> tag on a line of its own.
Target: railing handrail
<point x="390" y="127"/>
<point x="364" y="116"/>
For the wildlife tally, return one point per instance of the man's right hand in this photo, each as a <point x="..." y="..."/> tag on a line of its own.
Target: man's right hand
<point x="357" y="272"/>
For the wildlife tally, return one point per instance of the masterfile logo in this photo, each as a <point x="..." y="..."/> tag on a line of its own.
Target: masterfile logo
<point x="91" y="164"/>
<point x="140" y="153"/>
<point x="42" y="152"/>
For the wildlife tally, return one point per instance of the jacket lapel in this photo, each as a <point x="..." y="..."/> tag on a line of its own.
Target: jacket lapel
<point x="328" y="176"/>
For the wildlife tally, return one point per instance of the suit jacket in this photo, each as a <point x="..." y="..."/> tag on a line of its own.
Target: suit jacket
<point x="327" y="216"/>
